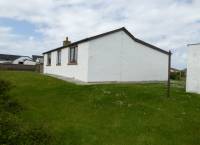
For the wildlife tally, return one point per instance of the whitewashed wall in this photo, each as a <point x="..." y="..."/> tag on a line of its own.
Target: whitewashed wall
<point x="21" y="59"/>
<point x="117" y="57"/>
<point x="78" y="71"/>
<point x="193" y="69"/>
<point x="29" y="62"/>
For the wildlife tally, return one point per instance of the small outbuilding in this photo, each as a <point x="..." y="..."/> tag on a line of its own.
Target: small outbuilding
<point x="114" y="56"/>
<point x="193" y="68"/>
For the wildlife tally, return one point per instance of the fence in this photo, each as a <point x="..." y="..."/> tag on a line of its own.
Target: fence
<point x="21" y="67"/>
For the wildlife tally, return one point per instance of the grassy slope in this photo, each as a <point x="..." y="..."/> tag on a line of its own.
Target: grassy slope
<point x="117" y="114"/>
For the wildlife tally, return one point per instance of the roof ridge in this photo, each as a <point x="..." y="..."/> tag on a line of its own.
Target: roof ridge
<point x="110" y="32"/>
<point x="193" y="44"/>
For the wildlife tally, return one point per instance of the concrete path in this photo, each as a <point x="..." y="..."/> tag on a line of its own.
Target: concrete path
<point x="78" y="82"/>
<point x="71" y="80"/>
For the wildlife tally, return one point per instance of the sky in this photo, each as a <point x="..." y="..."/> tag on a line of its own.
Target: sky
<point x="33" y="26"/>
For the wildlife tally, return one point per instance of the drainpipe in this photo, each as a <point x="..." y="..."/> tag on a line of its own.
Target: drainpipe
<point x="168" y="82"/>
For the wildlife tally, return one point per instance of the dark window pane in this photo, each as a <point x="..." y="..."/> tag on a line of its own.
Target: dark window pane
<point x="73" y="55"/>
<point x="49" y="59"/>
<point x="59" y="57"/>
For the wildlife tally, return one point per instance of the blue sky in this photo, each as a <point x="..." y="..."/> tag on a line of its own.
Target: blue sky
<point x="34" y="26"/>
<point x="20" y="27"/>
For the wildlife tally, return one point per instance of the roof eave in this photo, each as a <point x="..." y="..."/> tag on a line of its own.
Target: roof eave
<point x="110" y="32"/>
<point x="86" y="39"/>
<point x="145" y="43"/>
<point x="193" y="44"/>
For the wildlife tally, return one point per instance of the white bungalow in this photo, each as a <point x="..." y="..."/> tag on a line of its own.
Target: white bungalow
<point x="114" y="56"/>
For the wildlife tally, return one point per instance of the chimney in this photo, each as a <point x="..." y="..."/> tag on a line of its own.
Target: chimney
<point x="66" y="42"/>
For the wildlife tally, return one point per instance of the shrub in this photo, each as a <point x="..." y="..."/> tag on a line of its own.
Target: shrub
<point x="13" y="131"/>
<point x="10" y="129"/>
<point x="175" y="75"/>
<point x="38" y="135"/>
<point x="5" y="87"/>
<point x="11" y="105"/>
<point x="7" y="103"/>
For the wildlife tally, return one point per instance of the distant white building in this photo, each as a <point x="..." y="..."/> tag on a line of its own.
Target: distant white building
<point x="193" y="68"/>
<point x="26" y="60"/>
<point x="114" y="56"/>
<point x="16" y="59"/>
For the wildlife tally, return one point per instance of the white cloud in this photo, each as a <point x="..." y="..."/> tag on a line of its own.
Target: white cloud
<point x="169" y="24"/>
<point x="16" y="44"/>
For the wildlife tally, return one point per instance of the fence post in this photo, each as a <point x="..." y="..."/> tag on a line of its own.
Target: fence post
<point x="168" y="82"/>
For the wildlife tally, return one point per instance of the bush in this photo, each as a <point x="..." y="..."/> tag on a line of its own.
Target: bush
<point x="7" y="103"/>
<point x="10" y="129"/>
<point x="13" y="131"/>
<point x="11" y="105"/>
<point x="38" y="136"/>
<point x="5" y="87"/>
<point x="175" y="76"/>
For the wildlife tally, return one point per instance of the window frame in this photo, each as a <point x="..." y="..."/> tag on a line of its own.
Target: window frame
<point x="73" y="56"/>
<point x="58" y="57"/>
<point x="48" y="59"/>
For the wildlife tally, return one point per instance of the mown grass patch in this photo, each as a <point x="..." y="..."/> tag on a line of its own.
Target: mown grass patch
<point x="108" y="114"/>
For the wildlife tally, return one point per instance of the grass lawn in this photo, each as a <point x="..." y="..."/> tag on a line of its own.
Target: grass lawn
<point x="114" y="114"/>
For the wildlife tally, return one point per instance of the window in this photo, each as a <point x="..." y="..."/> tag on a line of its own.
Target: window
<point x="49" y="59"/>
<point x="73" y="52"/>
<point x="59" y="57"/>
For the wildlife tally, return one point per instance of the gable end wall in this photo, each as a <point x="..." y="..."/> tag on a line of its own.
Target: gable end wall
<point x="117" y="57"/>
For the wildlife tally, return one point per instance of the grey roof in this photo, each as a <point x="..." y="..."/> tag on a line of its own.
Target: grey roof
<point x="175" y="69"/>
<point x="8" y="57"/>
<point x="110" y="32"/>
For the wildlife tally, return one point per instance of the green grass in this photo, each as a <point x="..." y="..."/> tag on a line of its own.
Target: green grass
<point x="115" y="114"/>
